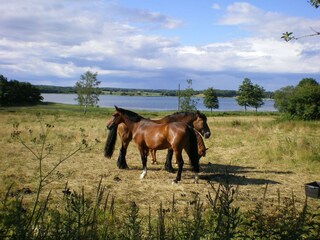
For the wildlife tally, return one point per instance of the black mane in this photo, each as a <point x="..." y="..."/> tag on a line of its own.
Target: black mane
<point x="131" y="115"/>
<point x="193" y="114"/>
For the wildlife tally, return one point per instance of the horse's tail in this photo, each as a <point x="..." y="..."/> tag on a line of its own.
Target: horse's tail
<point x="193" y="149"/>
<point x="111" y="142"/>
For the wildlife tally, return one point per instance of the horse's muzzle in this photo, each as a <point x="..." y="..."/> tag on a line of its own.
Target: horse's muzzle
<point x="207" y="134"/>
<point x="110" y="126"/>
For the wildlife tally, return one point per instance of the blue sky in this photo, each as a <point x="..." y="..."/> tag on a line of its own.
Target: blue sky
<point x="155" y="44"/>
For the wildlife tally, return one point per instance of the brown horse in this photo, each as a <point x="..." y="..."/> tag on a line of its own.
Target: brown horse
<point x="149" y="135"/>
<point x="196" y="120"/>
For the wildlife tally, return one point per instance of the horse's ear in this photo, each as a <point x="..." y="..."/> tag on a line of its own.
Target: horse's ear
<point x="207" y="149"/>
<point x="198" y="112"/>
<point x="116" y="107"/>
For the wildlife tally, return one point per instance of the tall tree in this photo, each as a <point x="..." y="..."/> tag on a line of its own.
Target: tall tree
<point x="245" y="93"/>
<point x="257" y="97"/>
<point x="87" y="90"/>
<point x="187" y="103"/>
<point x="210" y="99"/>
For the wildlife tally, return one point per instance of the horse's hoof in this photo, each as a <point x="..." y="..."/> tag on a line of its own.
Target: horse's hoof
<point x="142" y="175"/>
<point x="174" y="182"/>
<point x="123" y="167"/>
<point x="170" y="170"/>
<point x="196" y="179"/>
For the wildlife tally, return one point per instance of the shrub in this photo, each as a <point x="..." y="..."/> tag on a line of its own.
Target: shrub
<point x="301" y="102"/>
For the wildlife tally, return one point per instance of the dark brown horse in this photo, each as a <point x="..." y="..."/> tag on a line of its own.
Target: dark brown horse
<point x="197" y="120"/>
<point x="149" y="135"/>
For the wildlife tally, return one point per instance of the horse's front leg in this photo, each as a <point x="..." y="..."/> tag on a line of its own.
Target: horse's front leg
<point x="144" y="155"/>
<point x="122" y="163"/>
<point x="180" y="166"/>
<point x="126" y="137"/>
<point x="168" y="165"/>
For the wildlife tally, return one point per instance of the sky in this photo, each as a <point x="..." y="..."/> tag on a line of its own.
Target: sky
<point x="159" y="44"/>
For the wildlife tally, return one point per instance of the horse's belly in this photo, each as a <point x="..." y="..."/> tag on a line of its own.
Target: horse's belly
<point x="157" y="142"/>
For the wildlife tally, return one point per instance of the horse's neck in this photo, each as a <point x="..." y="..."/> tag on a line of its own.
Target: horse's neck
<point x="131" y="125"/>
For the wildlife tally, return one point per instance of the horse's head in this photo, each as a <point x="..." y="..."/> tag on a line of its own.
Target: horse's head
<point x="200" y="124"/>
<point x="202" y="151"/>
<point x="115" y="120"/>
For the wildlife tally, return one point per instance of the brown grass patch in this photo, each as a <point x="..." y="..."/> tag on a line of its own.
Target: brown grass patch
<point x="255" y="151"/>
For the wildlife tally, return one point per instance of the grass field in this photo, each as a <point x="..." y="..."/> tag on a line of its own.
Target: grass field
<point x="256" y="151"/>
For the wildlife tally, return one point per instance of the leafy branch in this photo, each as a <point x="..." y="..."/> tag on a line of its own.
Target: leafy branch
<point x="288" y="36"/>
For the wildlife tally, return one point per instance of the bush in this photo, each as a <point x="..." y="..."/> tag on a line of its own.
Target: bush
<point x="300" y="102"/>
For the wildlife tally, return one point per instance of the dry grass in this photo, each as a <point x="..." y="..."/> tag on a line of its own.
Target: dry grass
<point x="255" y="150"/>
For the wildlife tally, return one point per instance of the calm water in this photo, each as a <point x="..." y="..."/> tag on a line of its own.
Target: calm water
<point x="153" y="103"/>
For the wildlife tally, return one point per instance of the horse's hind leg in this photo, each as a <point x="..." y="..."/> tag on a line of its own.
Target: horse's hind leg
<point x="154" y="156"/>
<point x="168" y="165"/>
<point x="144" y="154"/>
<point x="180" y="166"/>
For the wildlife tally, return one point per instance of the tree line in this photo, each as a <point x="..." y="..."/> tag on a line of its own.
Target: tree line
<point x="295" y="102"/>
<point x="13" y="93"/>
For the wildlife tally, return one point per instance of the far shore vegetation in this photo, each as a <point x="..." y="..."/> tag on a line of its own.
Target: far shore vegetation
<point x="136" y="92"/>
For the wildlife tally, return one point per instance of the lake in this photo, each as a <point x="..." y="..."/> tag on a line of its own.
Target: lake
<point x="153" y="103"/>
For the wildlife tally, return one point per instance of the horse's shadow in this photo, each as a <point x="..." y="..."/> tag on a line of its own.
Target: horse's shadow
<point x="234" y="175"/>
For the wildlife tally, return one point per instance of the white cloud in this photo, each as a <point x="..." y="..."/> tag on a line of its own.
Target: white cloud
<point x="215" y="6"/>
<point x="241" y="13"/>
<point x="61" y="39"/>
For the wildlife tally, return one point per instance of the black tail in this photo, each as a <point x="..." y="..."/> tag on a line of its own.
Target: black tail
<point x="193" y="150"/>
<point x="111" y="142"/>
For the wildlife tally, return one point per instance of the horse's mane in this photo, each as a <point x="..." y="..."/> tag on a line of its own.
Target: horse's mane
<point x="131" y="115"/>
<point x="186" y="113"/>
<point x="202" y="116"/>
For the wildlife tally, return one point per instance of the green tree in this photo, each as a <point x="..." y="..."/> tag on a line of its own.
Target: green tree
<point x="245" y="93"/>
<point x="88" y="90"/>
<point x="257" y="97"/>
<point x="301" y="102"/>
<point x="187" y="103"/>
<point x="210" y="99"/>
<point x="13" y="93"/>
<point x="282" y="99"/>
<point x="250" y="95"/>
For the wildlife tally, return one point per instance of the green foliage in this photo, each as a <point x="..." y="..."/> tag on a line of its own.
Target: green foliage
<point x="15" y="93"/>
<point x="284" y="221"/>
<point x="87" y="90"/>
<point x="210" y="99"/>
<point x="250" y="95"/>
<point x="315" y="3"/>
<point x="225" y="220"/>
<point x="187" y="103"/>
<point x="81" y="217"/>
<point x="300" y="102"/>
